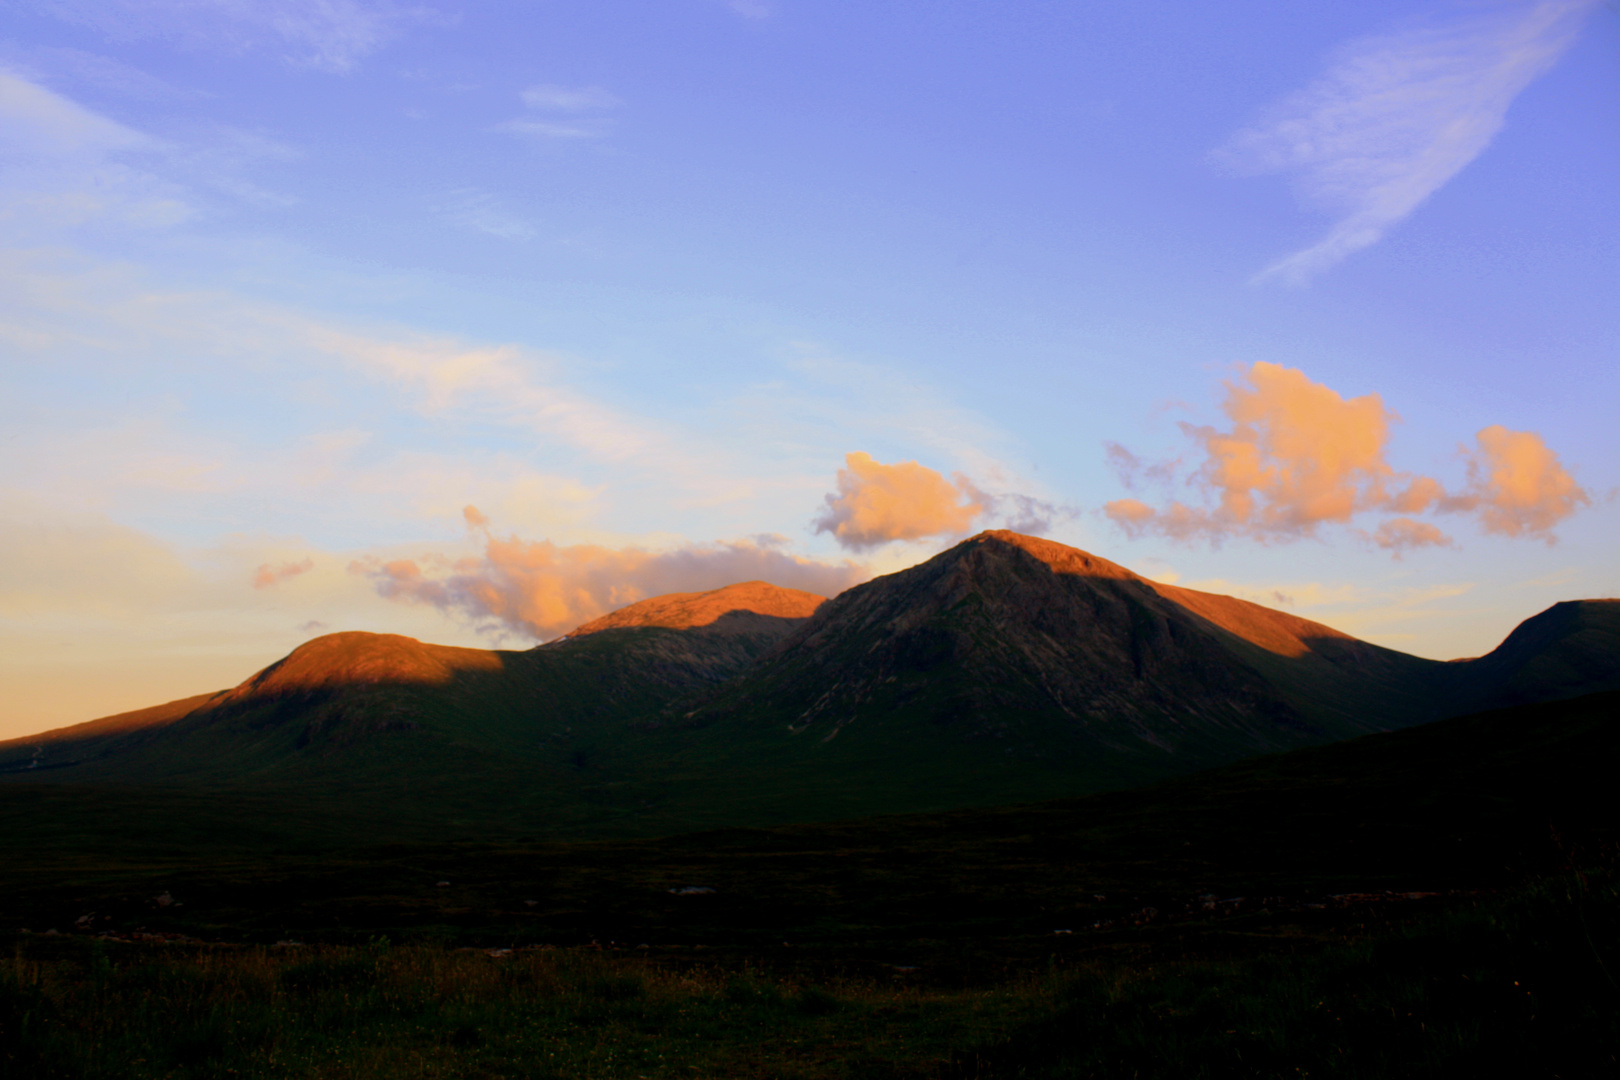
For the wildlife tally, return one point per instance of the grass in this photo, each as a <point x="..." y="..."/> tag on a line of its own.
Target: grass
<point x="1516" y="984"/>
<point x="382" y="1011"/>
<point x="1063" y="939"/>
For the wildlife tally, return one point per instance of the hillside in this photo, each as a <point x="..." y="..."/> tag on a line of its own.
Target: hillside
<point x="358" y="711"/>
<point x="1473" y="802"/>
<point x="1003" y="670"/>
<point x="1021" y="640"/>
<point x="1571" y="648"/>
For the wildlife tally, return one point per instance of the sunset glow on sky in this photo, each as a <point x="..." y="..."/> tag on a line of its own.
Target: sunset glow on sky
<point x="473" y="321"/>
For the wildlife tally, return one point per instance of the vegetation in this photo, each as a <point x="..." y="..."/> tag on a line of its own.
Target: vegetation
<point x="1423" y="902"/>
<point x="1520" y="983"/>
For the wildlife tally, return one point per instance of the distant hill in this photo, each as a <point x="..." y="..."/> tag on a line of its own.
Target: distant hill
<point x="1571" y="648"/>
<point x="1006" y="669"/>
<point x="355" y="703"/>
<point x="758" y="606"/>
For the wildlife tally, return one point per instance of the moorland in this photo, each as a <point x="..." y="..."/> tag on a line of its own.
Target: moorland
<point x="1013" y="812"/>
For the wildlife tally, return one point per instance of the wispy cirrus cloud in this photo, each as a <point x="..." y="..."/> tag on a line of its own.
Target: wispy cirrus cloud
<point x="563" y="112"/>
<point x="327" y="35"/>
<point x="76" y="67"/>
<point x="1395" y="117"/>
<point x="751" y="9"/>
<point x="485" y="212"/>
<point x="63" y="166"/>
<point x="569" y="99"/>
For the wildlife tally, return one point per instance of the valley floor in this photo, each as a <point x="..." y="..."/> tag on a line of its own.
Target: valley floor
<point x="1441" y="901"/>
<point x="1516" y="983"/>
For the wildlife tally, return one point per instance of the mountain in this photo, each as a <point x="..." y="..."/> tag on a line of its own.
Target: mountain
<point x="1571" y="648"/>
<point x="1006" y="669"/>
<point x="1016" y="640"/>
<point x="1011" y="668"/>
<point x="353" y="703"/>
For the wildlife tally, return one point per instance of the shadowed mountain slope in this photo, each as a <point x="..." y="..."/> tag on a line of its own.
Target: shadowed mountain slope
<point x="1020" y="641"/>
<point x="1571" y="648"/>
<point x="350" y="704"/>
<point x="1003" y="670"/>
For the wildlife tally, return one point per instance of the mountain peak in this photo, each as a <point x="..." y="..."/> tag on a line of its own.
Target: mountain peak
<point x="1275" y="631"/>
<point x="1062" y="558"/>
<point x="359" y="658"/>
<point x="695" y="610"/>
<point x="1045" y="649"/>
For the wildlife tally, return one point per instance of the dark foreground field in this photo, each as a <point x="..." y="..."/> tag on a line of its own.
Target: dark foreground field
<point x="1439" y="901"/>
<point x="1514" y="984"/>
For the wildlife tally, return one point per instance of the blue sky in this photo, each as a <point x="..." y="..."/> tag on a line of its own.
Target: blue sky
<point x="286" y="287"/>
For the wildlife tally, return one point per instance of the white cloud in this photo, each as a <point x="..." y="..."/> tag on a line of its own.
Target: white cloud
<point x="484" y="212"/>
<point x="569" y="112"/>
<point x="549" y="97"/>
<point x="554" y="129"/>
<point x="328" y="35"/>
<point x="1398" y="116"/>
<point x="37" y="122"/>
<point x="555" y="448"/>
<point x="65" y="166"/>
<point x="78" y="67"/>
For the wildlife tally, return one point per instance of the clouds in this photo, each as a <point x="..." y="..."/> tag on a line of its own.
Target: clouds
<point x="485" y="212"/>
<point x="364" y="433"/>
<point x="1518" y="485"/>
<point x="327" y="35"/>
<point x="35" y="120"/>
<point x="553" y="98"/>
<point x="66" y="167"/>
<point x="751" y="9"/>
<point x="269" y="575"/>
<point x="563" y="112"/>
<point x="539" y="589"/>
<point x="1396" y="117"/>
<point x="878" y="503"/>
<point x="1298" y="457"/>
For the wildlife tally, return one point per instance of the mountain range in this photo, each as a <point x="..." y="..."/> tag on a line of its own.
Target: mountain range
<point x="1006" y="669"/>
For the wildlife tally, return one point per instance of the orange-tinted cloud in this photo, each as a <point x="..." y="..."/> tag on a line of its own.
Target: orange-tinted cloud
<point x="1518" y="484"/>
<point x="1402" y="534"/>
<point x="1299" y="456"/>
<point x="268" y="575"/>
<point x="541" y="589"/>
<point x="877" y="503"/>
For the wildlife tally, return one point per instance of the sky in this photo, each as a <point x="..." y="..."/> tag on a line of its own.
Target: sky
<point x="473" y="321"/>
